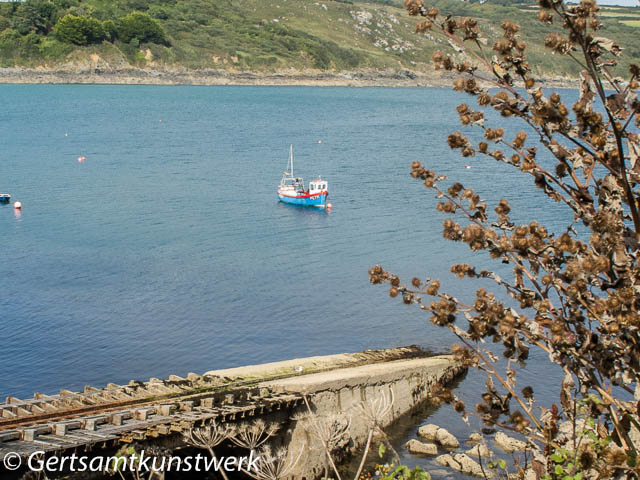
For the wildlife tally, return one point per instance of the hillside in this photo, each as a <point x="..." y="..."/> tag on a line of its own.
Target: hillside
<point x="262" y="36"/>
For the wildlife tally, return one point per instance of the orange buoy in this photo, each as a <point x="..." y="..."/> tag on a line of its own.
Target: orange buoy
<point x="81" y="159"/>
<point x="17" y="205"/>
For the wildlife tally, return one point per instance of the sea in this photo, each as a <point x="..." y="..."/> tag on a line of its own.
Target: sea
<point x="151" y="241"/>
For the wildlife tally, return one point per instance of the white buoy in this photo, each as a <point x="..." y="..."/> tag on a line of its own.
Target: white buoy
<point x="17" y="205"/>
<point x="329" y="206"/>
<point x="319" y="141"/>
<point x="467" y="166"/>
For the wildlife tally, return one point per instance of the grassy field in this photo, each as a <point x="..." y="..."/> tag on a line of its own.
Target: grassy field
<point x="270" y="35"/>
<point x="620" y="14"/>
<point x="629" y="17"/>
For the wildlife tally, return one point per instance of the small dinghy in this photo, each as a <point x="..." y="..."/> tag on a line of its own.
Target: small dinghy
<point x="5" y="198"/>
<point x="293" y="191"/>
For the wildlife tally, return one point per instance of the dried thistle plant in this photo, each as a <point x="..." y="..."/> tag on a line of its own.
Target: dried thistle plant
<point x="253" y="435"/>
<point x="578" y="289"/>
<point x="331" y="431"/>
<point x="375" y="410"/>
<point x="276" y="464"/>
<point x="209" y="437"/>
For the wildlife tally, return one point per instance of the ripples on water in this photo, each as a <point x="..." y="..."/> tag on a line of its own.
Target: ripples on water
<point x="166" y="251"/>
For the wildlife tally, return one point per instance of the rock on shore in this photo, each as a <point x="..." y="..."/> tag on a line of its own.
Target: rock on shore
<point x="416" y="446"/>
<point x="434" y="433"/>
<point x="480" y="451"/>
<point x="509" y="444"/>
<point x="464" y="464"/>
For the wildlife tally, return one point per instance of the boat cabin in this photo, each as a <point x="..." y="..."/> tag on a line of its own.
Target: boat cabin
<point x="317" y="186"/>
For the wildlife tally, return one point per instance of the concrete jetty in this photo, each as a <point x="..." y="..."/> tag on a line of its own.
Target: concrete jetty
<point x="158" y="412"/>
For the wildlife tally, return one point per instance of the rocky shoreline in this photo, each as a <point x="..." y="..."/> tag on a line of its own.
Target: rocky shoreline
<point x="138" y="76"/>
<point x="435" y="439"/>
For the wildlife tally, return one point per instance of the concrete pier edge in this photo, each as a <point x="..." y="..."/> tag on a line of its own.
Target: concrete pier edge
<point x="157" y="412"/>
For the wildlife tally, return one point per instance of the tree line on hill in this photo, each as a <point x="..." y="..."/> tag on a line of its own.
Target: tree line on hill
<point x="46" y="17"/>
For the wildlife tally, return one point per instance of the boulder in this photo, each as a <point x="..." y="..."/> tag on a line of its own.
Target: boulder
<point x="480" y="451"/>
<point x="509" y="444"/>
<point x="471" y="467"/>
<point x="444" y="438"/>
<point x="416" y="446"/>
<point x="428" y="432"/>
<point x="447" y="460"/>
<point x="464" y="464"/>
<point x="475" y="438"/>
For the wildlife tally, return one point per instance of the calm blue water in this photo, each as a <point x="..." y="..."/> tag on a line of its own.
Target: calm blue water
<point x="166" y="251"/>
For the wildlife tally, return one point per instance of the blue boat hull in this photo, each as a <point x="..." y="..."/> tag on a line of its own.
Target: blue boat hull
<point x="319" y="200"/>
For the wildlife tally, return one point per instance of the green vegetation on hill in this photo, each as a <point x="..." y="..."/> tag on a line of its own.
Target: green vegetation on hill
<point x="262" y="35"/>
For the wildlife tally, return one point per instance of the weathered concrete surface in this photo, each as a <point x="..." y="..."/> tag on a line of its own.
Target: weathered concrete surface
<point x="405" y="383"/>
<point x="302" y="366"/>
<point x="429" y="368"/>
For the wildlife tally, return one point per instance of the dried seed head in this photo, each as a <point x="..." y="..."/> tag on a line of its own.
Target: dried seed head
<point x="423" y="26"/>
<point x="545" y="16"/>
<point x="414" y="7"/>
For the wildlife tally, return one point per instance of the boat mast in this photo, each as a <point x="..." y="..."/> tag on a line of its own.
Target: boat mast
<point x="291" y="157"/>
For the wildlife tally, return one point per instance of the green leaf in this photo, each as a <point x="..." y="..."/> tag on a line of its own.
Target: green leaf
<point x="559" y="470"/>
<point x="381" y="450"/>
<point x="557" y="458"/>
<point x="502" y="464"/>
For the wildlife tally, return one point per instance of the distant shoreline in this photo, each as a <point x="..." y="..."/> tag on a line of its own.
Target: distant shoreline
<point x="18" y="75"/>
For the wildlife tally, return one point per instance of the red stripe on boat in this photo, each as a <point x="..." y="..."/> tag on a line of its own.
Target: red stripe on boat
<point x="305" y="196"/>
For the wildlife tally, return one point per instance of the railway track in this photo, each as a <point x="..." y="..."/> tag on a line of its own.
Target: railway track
<point x="143" y="410"/>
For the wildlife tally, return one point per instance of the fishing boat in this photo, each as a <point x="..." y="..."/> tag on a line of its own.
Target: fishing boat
<point x="293" y="191"/>
<point x="5" y="198"/>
